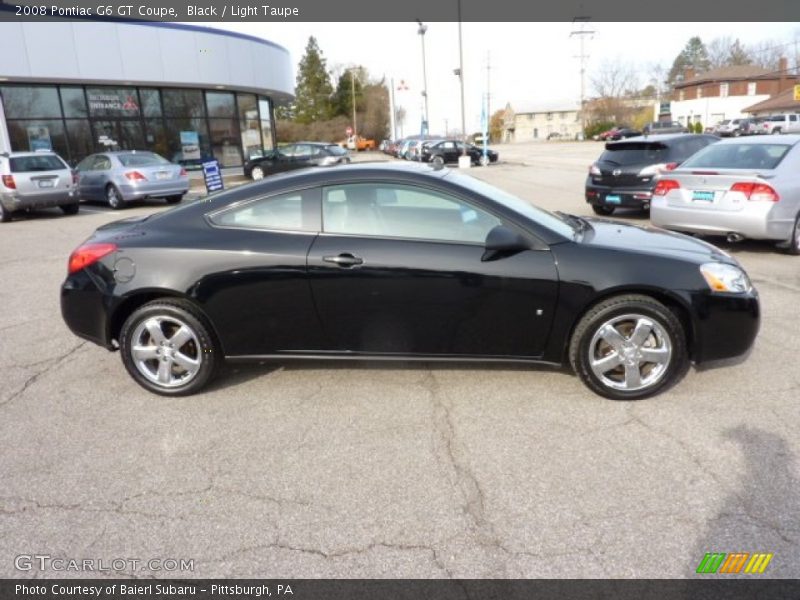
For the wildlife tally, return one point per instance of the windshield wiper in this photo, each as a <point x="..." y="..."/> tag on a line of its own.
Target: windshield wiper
<point x="578" y="223"/>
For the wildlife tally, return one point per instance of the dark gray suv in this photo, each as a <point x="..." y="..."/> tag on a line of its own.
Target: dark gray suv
<point x="35" y="180"/>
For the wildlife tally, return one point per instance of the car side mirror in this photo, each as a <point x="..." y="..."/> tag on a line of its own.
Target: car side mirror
<point x="501" y="242"/>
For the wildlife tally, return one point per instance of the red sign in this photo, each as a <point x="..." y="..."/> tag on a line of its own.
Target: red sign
<point x="349" y="131"/>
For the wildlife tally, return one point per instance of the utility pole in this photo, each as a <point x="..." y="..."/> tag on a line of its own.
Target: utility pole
<point x="392" y="116"/>
<point x="421" y="31"/>
<point x="353" y="91"/>
<point x="582" y="32"/>
<point x="488" y="85"/>
<point x="461" y="79"/>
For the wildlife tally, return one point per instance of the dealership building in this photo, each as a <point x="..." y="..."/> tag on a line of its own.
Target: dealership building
<point x="188" y="93"/>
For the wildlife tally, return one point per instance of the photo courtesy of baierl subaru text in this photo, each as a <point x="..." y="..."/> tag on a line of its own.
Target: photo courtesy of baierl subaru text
<point x="399" y="300"/>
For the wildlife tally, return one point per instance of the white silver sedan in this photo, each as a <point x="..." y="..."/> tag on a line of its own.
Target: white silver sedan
<point x="738" y="188"/>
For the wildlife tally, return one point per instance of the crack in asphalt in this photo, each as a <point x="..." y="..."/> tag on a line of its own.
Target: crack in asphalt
<point x="49" y="364"/>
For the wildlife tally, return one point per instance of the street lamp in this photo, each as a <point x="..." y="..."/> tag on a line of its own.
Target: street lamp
<point x="421" y="31"/>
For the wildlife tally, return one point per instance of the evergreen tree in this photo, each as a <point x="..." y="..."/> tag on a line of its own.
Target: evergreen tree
<point x="694" y="55"/>
<point x="738" y="54"/>
<point x="313" y="90"/>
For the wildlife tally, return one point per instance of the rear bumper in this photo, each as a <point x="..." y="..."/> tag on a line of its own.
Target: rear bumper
<point x="84" y="306"/>
<point x="627" y="197"/>
<point x="154" y="190"/>
<point x="757" y="220"/>
<point x="13" y="201"/>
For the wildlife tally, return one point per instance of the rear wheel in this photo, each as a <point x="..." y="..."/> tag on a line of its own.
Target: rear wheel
<point x="629" y="347"/>
<point x="5" y="215"/>
<point x="793" y="247"/>
<point x="602" y="210"/>
<point x="438" y="161"/>
<point x="257" y="173"/>
<point x="777" y="131"/>
<point x="174" y="199"/>
<point x="113" y="197"/>
<point x="168" y="348"/>
<point x="71" y="209"/>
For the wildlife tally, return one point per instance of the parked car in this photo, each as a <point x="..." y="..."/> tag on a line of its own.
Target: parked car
<point x="664" y="127"/>
<point x="734" y="127"/>
<point x="295" y="156"/>
<point x="122" y="176"/>
<point x="358" y="143"/>
<point x="394" y="261"/>
<point x="738" y="188"/>
<point x="31" y="180"/>
<point x="624" y="175"/>
<point x="448" y="151"/>
<point x="776" y="124"/>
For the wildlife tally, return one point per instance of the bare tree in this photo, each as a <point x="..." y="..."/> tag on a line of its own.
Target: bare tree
<point x="767" y="54"/>
<point x="614" y="84"/>
<point x="719" y="50"/>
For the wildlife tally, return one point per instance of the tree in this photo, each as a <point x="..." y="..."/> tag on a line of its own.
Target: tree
<point x="718" y="51"/>
<point x="313" y="90"/>
<point x="613" y="84"/>
<point x="694" y="55"/>
<point x="738" y="55"/>
<point x="342" y="99"/>
<point x="496" y="123"/>
<point x="766" y="54"/>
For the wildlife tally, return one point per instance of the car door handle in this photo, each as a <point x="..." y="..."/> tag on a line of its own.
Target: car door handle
<point x="344" y="260"/>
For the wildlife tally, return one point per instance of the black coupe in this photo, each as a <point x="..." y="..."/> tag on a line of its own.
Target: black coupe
<point x="402" y="262"/>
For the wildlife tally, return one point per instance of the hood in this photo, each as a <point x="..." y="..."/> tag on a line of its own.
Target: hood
<point x="651" y="240"/>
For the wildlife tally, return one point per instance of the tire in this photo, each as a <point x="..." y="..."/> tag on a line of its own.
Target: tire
<point x="793" y="246"/>
<point x="257" y="174"/>
<point x="602" y="210"/>
<point x="777" y="131"/>
<point x="113" y="197"/>
<point x="736" y="133"/>
<point x="180" y="369"/>
<point x="71" y="209"/>
<point x="174" y="199"/>
<point x="437" y="161"/>
<point x="5" y="215"/>
<point x="605" y="353"/>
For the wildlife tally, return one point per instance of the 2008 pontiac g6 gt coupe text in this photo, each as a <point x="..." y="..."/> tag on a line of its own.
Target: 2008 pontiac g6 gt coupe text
<point x="385" y="262"/>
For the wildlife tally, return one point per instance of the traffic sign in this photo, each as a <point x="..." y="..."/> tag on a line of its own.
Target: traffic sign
<point x="797" y="93"/>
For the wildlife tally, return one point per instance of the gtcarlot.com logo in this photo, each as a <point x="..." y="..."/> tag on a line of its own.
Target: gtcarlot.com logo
<point x="734" y="562"/>
<point x="45" y="562"/>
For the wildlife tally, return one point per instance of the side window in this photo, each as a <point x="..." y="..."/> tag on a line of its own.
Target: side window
<point x="399" y="211"/>
<point x="86" y="164"/>
<point x="101" y="163"/>
<point x="294" y="211"/>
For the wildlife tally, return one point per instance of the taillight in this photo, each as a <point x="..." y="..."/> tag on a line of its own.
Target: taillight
<point x="595" y="170"/>
<point x="135" y="176"/>
<point x="8" y="181"/>
<point x="756" y="191"/>
<point x="664" y="186"/>
<point x="183" y="172"/>
<point x="88" y="254"/>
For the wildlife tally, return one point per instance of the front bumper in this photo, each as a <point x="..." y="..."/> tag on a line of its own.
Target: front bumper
<point x="725" y="325"/>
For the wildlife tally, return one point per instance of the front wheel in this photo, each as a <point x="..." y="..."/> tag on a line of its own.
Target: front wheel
<point x="603" y="211"/>
<point x="793" y="246"/>
<point x="168" y="348"/>
<point x="174" y="199"/>
<point x="257" y="173"/>
<point x="629" y="347"/>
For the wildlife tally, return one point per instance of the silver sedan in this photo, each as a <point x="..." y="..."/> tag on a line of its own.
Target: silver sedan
<point x="737" y="188"/>
<point x="123" y="176"/>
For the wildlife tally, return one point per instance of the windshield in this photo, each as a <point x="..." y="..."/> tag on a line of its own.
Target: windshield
<point x="635" y="153"/>
<point x="526" y="209"/>
<point x="738" y="156"/>
<point x="142" y="159"/>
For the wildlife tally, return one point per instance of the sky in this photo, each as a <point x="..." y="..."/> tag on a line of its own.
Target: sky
<point x="532" y="64"/>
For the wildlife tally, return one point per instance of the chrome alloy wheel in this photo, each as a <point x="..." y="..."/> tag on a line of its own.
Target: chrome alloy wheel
<point x="257" y="173"/>
<point x="630" y="352"/>
<point x="166" y="351"/>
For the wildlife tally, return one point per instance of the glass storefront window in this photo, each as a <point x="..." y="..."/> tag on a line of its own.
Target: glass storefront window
<point x="225" y="142"/>
<point x="73" y="102"/>
<point x="151" y="102"/>
<point x="30" y="102"/>
<point x="173" y="129"/>
<point x="79" y="135"/>
<point x="112" y="102"/>
<point x="35" y="134"/>
<point x="266" y="123"/>
<point x="183" y="103"/>
<point x="249" y="125"/>
<point x="220" y="104"/>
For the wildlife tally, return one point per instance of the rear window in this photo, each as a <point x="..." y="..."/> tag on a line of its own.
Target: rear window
<point x="142" y="159"/>
<point x="738" y="156"/>
<point x="29" y="164"/>
<point x="336" y="150"/>
<point x="631" y="153"/>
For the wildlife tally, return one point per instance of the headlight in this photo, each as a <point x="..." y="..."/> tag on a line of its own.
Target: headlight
<point x="722" y="277"/>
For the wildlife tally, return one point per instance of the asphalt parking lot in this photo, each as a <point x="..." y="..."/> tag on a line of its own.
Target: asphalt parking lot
<point x="376" y="470"/>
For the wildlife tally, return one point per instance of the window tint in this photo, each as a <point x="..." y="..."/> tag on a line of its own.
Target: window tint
<point x="44" y="162"/>
<point x="86" y="164"/>
<point x="101" y="163"/>
<point x="141" y="159"/>
<point x="635" y="153"/>
<point x="391" y="210"/>
<point x="294" y="211"/>
<point x="738" y="156"/>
